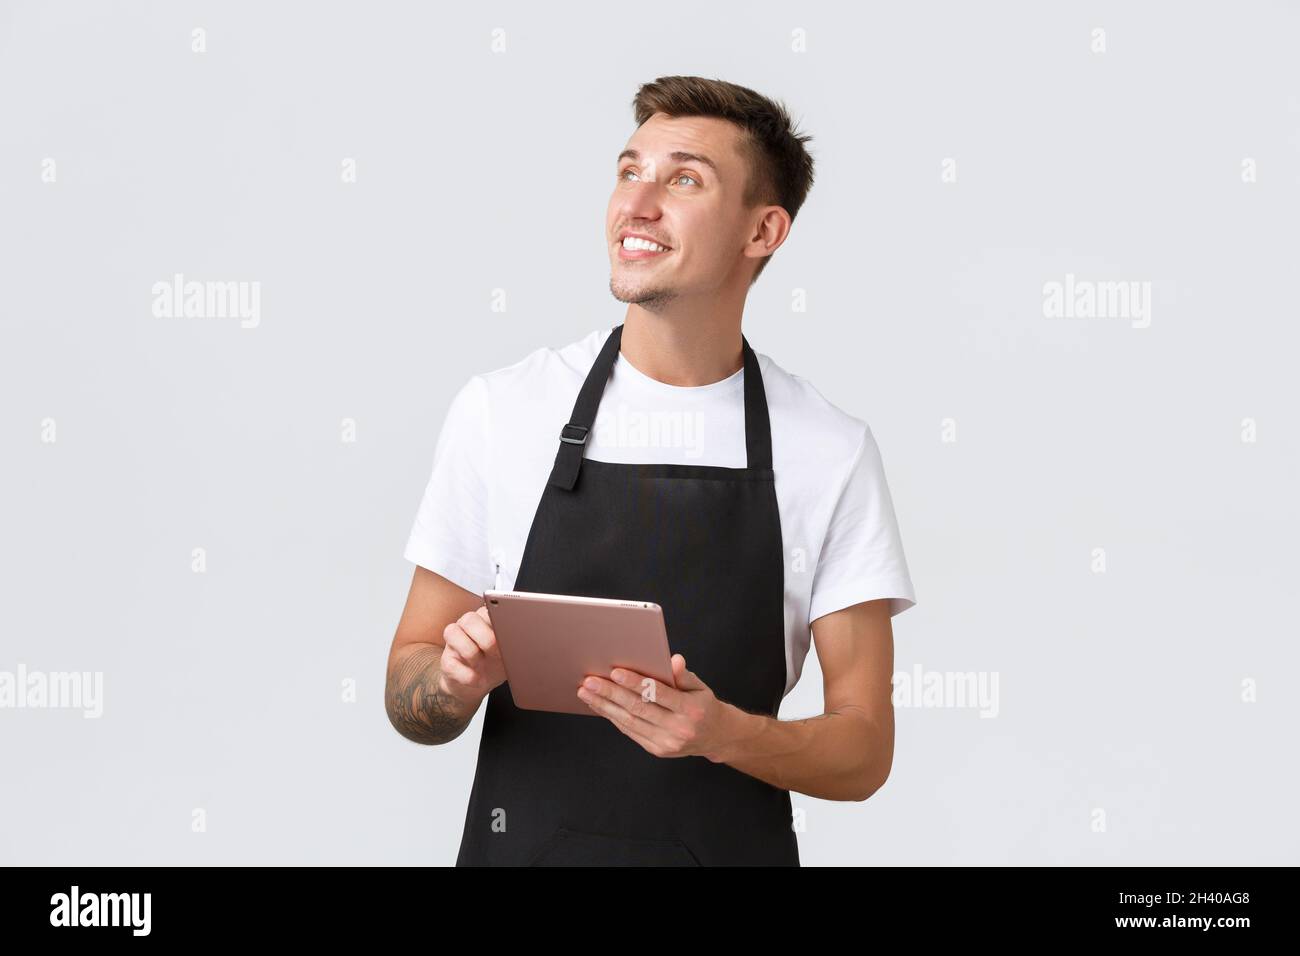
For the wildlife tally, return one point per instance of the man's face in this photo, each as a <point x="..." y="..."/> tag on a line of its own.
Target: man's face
<point x="680" y="182"/>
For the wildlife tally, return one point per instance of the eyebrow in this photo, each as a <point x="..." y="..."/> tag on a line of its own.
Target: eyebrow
<point x="676" y="157"/>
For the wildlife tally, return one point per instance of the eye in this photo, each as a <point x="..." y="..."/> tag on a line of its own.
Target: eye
<point x="622" y="176"/>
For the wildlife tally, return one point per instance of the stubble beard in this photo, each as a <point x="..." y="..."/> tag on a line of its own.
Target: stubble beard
<point x="650" y="298"/>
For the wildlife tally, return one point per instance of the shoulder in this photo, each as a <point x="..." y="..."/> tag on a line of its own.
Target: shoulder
<point x="807" y="427"/>
<point x="545" y="370"/>
<point x="517" y="405"/>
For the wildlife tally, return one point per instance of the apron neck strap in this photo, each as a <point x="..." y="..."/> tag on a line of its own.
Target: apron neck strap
<point x="568" y="460"/>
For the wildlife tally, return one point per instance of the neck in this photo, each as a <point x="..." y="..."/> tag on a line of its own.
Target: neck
<point x="680" y="352"/>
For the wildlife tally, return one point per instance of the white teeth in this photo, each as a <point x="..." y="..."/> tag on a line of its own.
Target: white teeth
<point x="632" y="242"/>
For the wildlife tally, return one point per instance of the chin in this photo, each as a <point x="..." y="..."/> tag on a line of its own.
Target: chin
<point x="650" y="299"/>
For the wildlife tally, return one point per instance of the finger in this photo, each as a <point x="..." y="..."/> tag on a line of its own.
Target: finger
<point x="460" y="642"/>
<point x="454" y="669"/>
<point x="631" y="701"/>
<point x="648" y="745"/>
<point x="479" y="630"/>
<point x="627" y="722"/>
<point x="684" y="679"/>
<point x="647" y="688"/>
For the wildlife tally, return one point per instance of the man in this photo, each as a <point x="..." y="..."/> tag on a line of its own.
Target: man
<point x="663" y="460"/>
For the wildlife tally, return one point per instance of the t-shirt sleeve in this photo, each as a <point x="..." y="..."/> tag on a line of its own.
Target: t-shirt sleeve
<point x="862" y="556"/>
<point x="450" y="533"/>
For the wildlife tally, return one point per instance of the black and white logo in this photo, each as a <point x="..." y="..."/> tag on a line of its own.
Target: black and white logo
<point x="101" y="909"/>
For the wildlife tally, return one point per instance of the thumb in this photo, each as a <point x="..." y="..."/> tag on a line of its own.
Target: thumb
<point x="684" y="679"/>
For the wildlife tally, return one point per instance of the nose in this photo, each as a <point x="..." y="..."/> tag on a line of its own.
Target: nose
<point x="639" y="201"/>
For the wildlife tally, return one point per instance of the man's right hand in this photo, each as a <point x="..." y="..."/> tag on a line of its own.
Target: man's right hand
<point x="471" y="664"/>
<point x="439" y="673"/>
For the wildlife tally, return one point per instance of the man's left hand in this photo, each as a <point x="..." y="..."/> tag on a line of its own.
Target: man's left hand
<point x="685" y="721"/>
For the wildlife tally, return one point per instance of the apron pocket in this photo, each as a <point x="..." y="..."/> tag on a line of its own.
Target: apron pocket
<point x="568" y="847"/>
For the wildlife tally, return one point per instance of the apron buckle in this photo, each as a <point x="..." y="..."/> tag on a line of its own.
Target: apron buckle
<point x="579" y="440"/>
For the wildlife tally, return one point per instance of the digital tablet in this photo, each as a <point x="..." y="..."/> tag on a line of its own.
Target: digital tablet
<point x="550" y="642"/>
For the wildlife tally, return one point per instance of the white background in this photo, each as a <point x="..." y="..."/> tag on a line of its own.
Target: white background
<point x="1120" y="693"/>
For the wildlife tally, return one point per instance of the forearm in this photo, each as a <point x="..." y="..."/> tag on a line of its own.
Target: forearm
<point x="417" y="709"/>
<point x="839" y="755"/>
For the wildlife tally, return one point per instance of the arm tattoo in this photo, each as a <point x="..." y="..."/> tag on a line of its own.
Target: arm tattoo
<point x="416" y="708"/>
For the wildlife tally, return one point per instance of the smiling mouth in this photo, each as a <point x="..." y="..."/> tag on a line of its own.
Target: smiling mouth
<point x="636" y="248"/>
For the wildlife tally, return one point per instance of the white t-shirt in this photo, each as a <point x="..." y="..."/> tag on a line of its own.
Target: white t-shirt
<point x="498" y="443"/>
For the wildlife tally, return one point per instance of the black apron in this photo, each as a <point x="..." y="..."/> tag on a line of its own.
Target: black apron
<point x="704" y="542"/>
